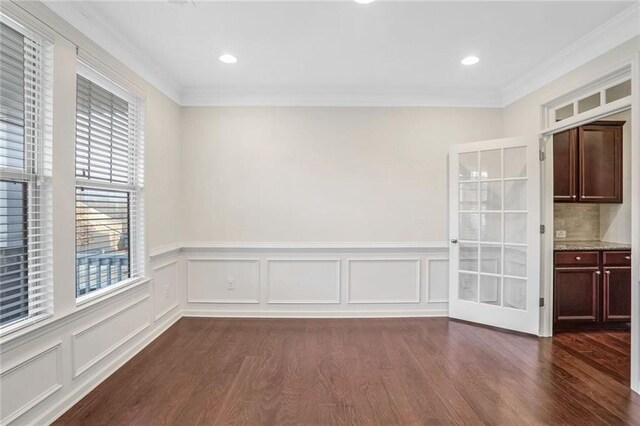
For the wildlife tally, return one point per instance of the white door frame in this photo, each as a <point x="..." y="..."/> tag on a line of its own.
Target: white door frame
<point x="546" y="255"/>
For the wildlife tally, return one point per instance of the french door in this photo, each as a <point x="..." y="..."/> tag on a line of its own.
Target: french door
<point x="495" y="233"/>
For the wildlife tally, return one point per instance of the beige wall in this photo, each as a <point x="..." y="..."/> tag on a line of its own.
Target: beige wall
<point x="322" y="174"/>
<point x="162" y="169"/>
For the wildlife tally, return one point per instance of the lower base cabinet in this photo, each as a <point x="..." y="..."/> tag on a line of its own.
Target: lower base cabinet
<point x="592" y="290"/>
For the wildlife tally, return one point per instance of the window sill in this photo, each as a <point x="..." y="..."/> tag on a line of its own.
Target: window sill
<point x="99" y="296"/>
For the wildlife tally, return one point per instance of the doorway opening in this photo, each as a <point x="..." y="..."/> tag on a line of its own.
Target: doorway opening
<point x="589" y="250"/>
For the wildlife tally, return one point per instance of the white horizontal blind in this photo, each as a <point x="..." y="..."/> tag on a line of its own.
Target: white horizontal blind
<point x="109" y="184"/>
<point x="25" y="176"/>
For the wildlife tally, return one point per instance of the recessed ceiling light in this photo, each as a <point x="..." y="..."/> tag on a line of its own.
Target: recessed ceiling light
<point x="470" y="60"/>
<point x="228" y="59"/>
<point x="364" y="1"/>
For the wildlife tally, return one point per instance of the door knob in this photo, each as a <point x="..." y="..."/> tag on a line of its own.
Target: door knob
<point x="454" y="241"/>
<point x="607" y="272"/>
<point x="628" y="257"/>
<point x="598" y="272"/>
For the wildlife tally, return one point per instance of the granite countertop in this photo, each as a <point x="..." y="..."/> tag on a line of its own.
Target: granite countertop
<point x="589" y="245"/>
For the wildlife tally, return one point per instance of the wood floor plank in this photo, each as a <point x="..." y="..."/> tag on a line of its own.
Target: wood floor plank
<point x="410" y="371"/>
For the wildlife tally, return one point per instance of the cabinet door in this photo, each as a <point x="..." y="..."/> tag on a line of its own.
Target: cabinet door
<point x="565" y="172"/>
<point x="616" y="294"/>
<point x="600" y="166"/>
<point x="576" y="295"/>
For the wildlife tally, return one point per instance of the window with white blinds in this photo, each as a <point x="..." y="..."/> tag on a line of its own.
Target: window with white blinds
<point x="25" y="176"/>
<point x="109" y="183"/>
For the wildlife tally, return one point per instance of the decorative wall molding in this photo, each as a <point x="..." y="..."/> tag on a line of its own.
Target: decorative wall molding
<point x="157" y="295"/>
<point x="391" y="280"/>
<point x="430" y="261"/>
<point x="252" y="276"/>
<point x="295" y="280"/>
<point x="80" y="369"/>
<point x="45" y="393"/>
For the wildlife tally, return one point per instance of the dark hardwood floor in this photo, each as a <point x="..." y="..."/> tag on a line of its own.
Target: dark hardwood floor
<point x="364" y="371"/>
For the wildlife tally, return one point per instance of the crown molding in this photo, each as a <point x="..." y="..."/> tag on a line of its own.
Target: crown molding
<point x="614" y="32"/>
<point x="342" y="97"/>
<point x="83" y="17"/>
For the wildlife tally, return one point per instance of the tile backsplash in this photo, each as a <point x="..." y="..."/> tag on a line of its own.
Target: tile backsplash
<point x="580" y="221"/>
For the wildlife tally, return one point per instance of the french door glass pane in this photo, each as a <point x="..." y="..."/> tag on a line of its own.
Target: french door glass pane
<point x="468" y="169"/>
<point x="468" y="257"/>
<point x="468" y="287"/>
<point x="490" y="225"/>
<point x="491" y="256"/>
<point x="515" y="228"/>
<point x="515" y="195"/>
<point x="491" y="193"/>
<point x="491" y="164"/>
<point x="490" y="290"/>
<point x="515" y="293"/>
<point x="469" y="196"/>
<point x="515" y="162"/>
<point x="468" y="226"/>
<point x="515" y="261"/>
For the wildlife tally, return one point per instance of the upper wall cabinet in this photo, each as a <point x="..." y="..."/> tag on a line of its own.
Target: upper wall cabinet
<point x="587" y="163"/>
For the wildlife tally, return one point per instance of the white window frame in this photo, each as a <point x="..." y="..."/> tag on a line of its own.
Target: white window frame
<point x="96" y="72"/>
<point x="37" y="174"/>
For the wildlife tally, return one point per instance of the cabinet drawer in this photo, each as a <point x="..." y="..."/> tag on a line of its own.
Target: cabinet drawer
<point x="617" y="258"/>
<point x="574" y="258"/>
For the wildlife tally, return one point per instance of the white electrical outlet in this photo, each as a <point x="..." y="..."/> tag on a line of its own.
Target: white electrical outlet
<point x="231" y="285"/>
<point x="561" y="234"/>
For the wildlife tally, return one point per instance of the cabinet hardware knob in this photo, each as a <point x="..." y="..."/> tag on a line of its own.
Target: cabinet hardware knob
<point x="628" y="257"/>
<point x="454" y="241"/>
<point x="573" y="196"/>
<point x="578" y="258"/>
<point x="607" y="272"/>
<point x="598" y="272"/>
<point x="582" y="197"/>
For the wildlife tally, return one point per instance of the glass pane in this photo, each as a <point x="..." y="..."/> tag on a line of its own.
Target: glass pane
<point x="490" y="290"/>
<point x="102" y="239"/>
<point x="515" y="227"/>
<point x="490" y="258"/>
<point x="515" y="162"/>
<point x="468" y="226"/>
<point x="14" y="263"/>
<point x="588" y="103"/>
<point x="468" y="196"/>
<point x="468" y="168"/>
<point x="618" y="91"/>
<point x="515" y="261"/>
<point x="515" y="293"/>
<point x="491" y="164"/>
<point x="515" y="195"/>
<point x="468" y="257"/>
<point x="491" y="193"/>
<point x="468" y="287"/>
<point x="491" y="226"/>
<point x="564" y="112"/>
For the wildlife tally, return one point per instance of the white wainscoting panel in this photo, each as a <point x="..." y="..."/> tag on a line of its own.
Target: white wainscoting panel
<point x="26" y="383"/>
<point x="384" y="280"/>
<point x="165" y="288"/>
<point x="438" y="280"/>
<point x="93" y="343"/>
<point x="294" y="281"/>
<point x="222" y="280"/>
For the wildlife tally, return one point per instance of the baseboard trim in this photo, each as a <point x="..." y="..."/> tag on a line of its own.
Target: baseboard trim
<point x="76" y="395"/>
<point x="400" y="313"/>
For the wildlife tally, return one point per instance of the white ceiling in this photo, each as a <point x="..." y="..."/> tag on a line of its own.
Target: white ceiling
<point x="320" y="52"/>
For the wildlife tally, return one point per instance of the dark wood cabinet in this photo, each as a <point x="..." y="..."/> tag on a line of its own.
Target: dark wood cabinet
<point x="588" y="163"/>
<point x="592" y="289"/>
<point x="565" y="166"/>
